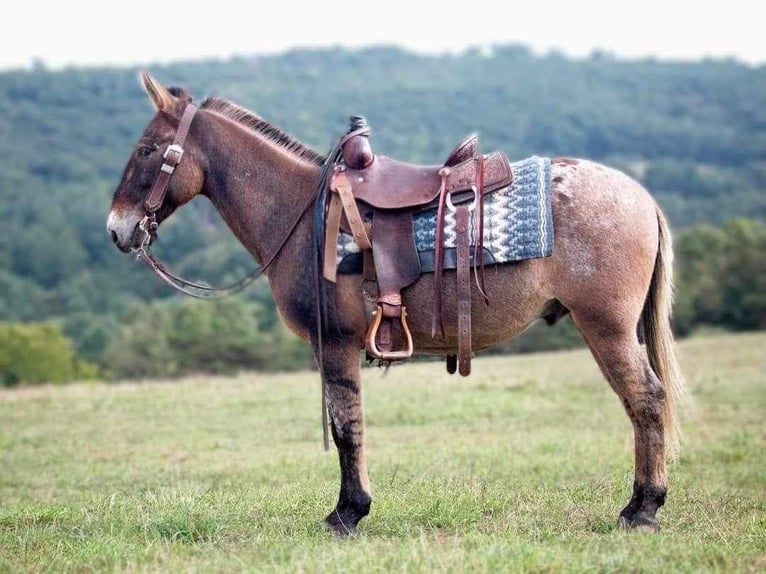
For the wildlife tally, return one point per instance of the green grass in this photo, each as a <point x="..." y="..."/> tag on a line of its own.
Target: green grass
<point x="523" y="467"/>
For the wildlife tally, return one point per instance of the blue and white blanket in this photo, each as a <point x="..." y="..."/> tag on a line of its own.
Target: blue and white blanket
<point x="517" y="220"/>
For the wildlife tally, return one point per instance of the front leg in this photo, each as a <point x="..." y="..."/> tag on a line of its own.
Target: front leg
<point x="342" y="376"/>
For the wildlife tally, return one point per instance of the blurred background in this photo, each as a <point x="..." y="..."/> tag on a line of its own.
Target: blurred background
<point x="675" y="99"/>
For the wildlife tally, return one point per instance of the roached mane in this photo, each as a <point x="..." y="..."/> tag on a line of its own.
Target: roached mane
<point x="256" y="123"/>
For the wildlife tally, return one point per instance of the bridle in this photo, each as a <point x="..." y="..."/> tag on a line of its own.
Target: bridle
<point x="172" y="157"/>
<point x="148" y="224"/>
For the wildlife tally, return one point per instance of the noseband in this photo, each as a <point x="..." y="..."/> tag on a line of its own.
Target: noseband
<point x="148" y="225"/>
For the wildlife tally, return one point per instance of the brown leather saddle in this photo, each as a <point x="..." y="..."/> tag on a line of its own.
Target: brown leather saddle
<point x="375" y="197"/>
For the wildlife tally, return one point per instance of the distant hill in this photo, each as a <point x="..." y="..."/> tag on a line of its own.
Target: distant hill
<point x="694" y="133"/>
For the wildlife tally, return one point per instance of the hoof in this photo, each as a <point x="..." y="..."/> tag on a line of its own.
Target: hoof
<point x="340" y="525"/>
<point x="639" y="523"/>
<point x="347" y="514"/>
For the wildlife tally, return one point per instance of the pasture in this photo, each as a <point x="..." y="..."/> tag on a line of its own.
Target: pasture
<point x="523" y="467"/>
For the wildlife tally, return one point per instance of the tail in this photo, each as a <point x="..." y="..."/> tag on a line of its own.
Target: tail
<point x="660" y="347"/>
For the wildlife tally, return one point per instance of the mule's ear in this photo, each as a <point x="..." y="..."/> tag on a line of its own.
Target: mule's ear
<point x="160" y="96"/>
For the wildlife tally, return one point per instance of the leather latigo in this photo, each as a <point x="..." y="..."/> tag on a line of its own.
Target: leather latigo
<point x="462" y="229"/>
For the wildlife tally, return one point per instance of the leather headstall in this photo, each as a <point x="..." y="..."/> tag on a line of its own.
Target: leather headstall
<point x="172" y="157"/>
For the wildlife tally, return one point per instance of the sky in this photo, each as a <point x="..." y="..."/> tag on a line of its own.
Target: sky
<point x="138" y="32"/>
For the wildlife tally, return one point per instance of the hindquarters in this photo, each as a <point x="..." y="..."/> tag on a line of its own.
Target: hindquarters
<point x="606" y="239"/>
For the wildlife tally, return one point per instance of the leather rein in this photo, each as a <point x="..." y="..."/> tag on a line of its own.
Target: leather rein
<point x="149" y="225"/>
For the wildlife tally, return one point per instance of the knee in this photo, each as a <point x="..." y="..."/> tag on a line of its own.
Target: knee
<point x="346" y="426"/>
<point x="347" y="433"/>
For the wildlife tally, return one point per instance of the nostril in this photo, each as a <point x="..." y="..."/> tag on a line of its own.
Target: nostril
<point x="114" y="236"/>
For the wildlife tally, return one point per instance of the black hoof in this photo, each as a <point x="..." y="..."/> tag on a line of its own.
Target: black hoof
<point x="343" y="520"/>
<point x="639" y="514"/>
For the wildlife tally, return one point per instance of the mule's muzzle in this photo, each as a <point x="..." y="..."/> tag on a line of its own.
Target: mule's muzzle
<point x="129" y="233"/>
<point x="130" y="244"/>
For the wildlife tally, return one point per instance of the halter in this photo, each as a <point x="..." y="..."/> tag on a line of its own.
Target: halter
<point x="148" y="225"/>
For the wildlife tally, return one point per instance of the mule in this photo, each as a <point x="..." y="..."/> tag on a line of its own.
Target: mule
<point x="611" y="269"/>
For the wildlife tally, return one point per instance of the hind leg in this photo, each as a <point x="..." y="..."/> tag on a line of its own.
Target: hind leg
<point x="625" y="365"/>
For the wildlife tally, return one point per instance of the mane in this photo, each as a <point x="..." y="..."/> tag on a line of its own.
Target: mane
<point x="256" y="123"/>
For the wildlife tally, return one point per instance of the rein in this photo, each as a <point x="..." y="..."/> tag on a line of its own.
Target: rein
<point x="196" y="290"/>
<point x="148" y="225"/>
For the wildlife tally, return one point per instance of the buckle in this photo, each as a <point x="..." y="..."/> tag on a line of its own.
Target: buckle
<point x="176" y="149"/>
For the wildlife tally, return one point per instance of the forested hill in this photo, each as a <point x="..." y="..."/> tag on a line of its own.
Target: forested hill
<point x="694" y="133"/>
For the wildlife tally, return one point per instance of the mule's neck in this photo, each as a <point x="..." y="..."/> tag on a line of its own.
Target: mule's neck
<point x="260" y="189"/>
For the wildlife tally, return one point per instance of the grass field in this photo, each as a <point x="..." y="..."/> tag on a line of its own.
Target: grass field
<point x="523" y="467"/>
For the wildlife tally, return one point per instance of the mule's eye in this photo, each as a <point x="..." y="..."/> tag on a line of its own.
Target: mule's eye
<point x="145" y="150"/>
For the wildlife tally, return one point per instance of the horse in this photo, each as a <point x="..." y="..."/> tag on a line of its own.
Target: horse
<point x="611" y="270"/>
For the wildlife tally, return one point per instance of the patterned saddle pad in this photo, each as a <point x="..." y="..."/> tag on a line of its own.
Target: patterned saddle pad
<point x="517" y="221"/>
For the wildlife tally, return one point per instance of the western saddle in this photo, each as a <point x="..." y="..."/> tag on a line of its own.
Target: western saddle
<point x="389" y="192"/>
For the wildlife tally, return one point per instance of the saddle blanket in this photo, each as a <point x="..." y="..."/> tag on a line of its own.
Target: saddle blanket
<point x="517" y="222"/>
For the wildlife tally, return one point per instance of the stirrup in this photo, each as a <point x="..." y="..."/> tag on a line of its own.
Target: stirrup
<point x="372" y="334"/>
